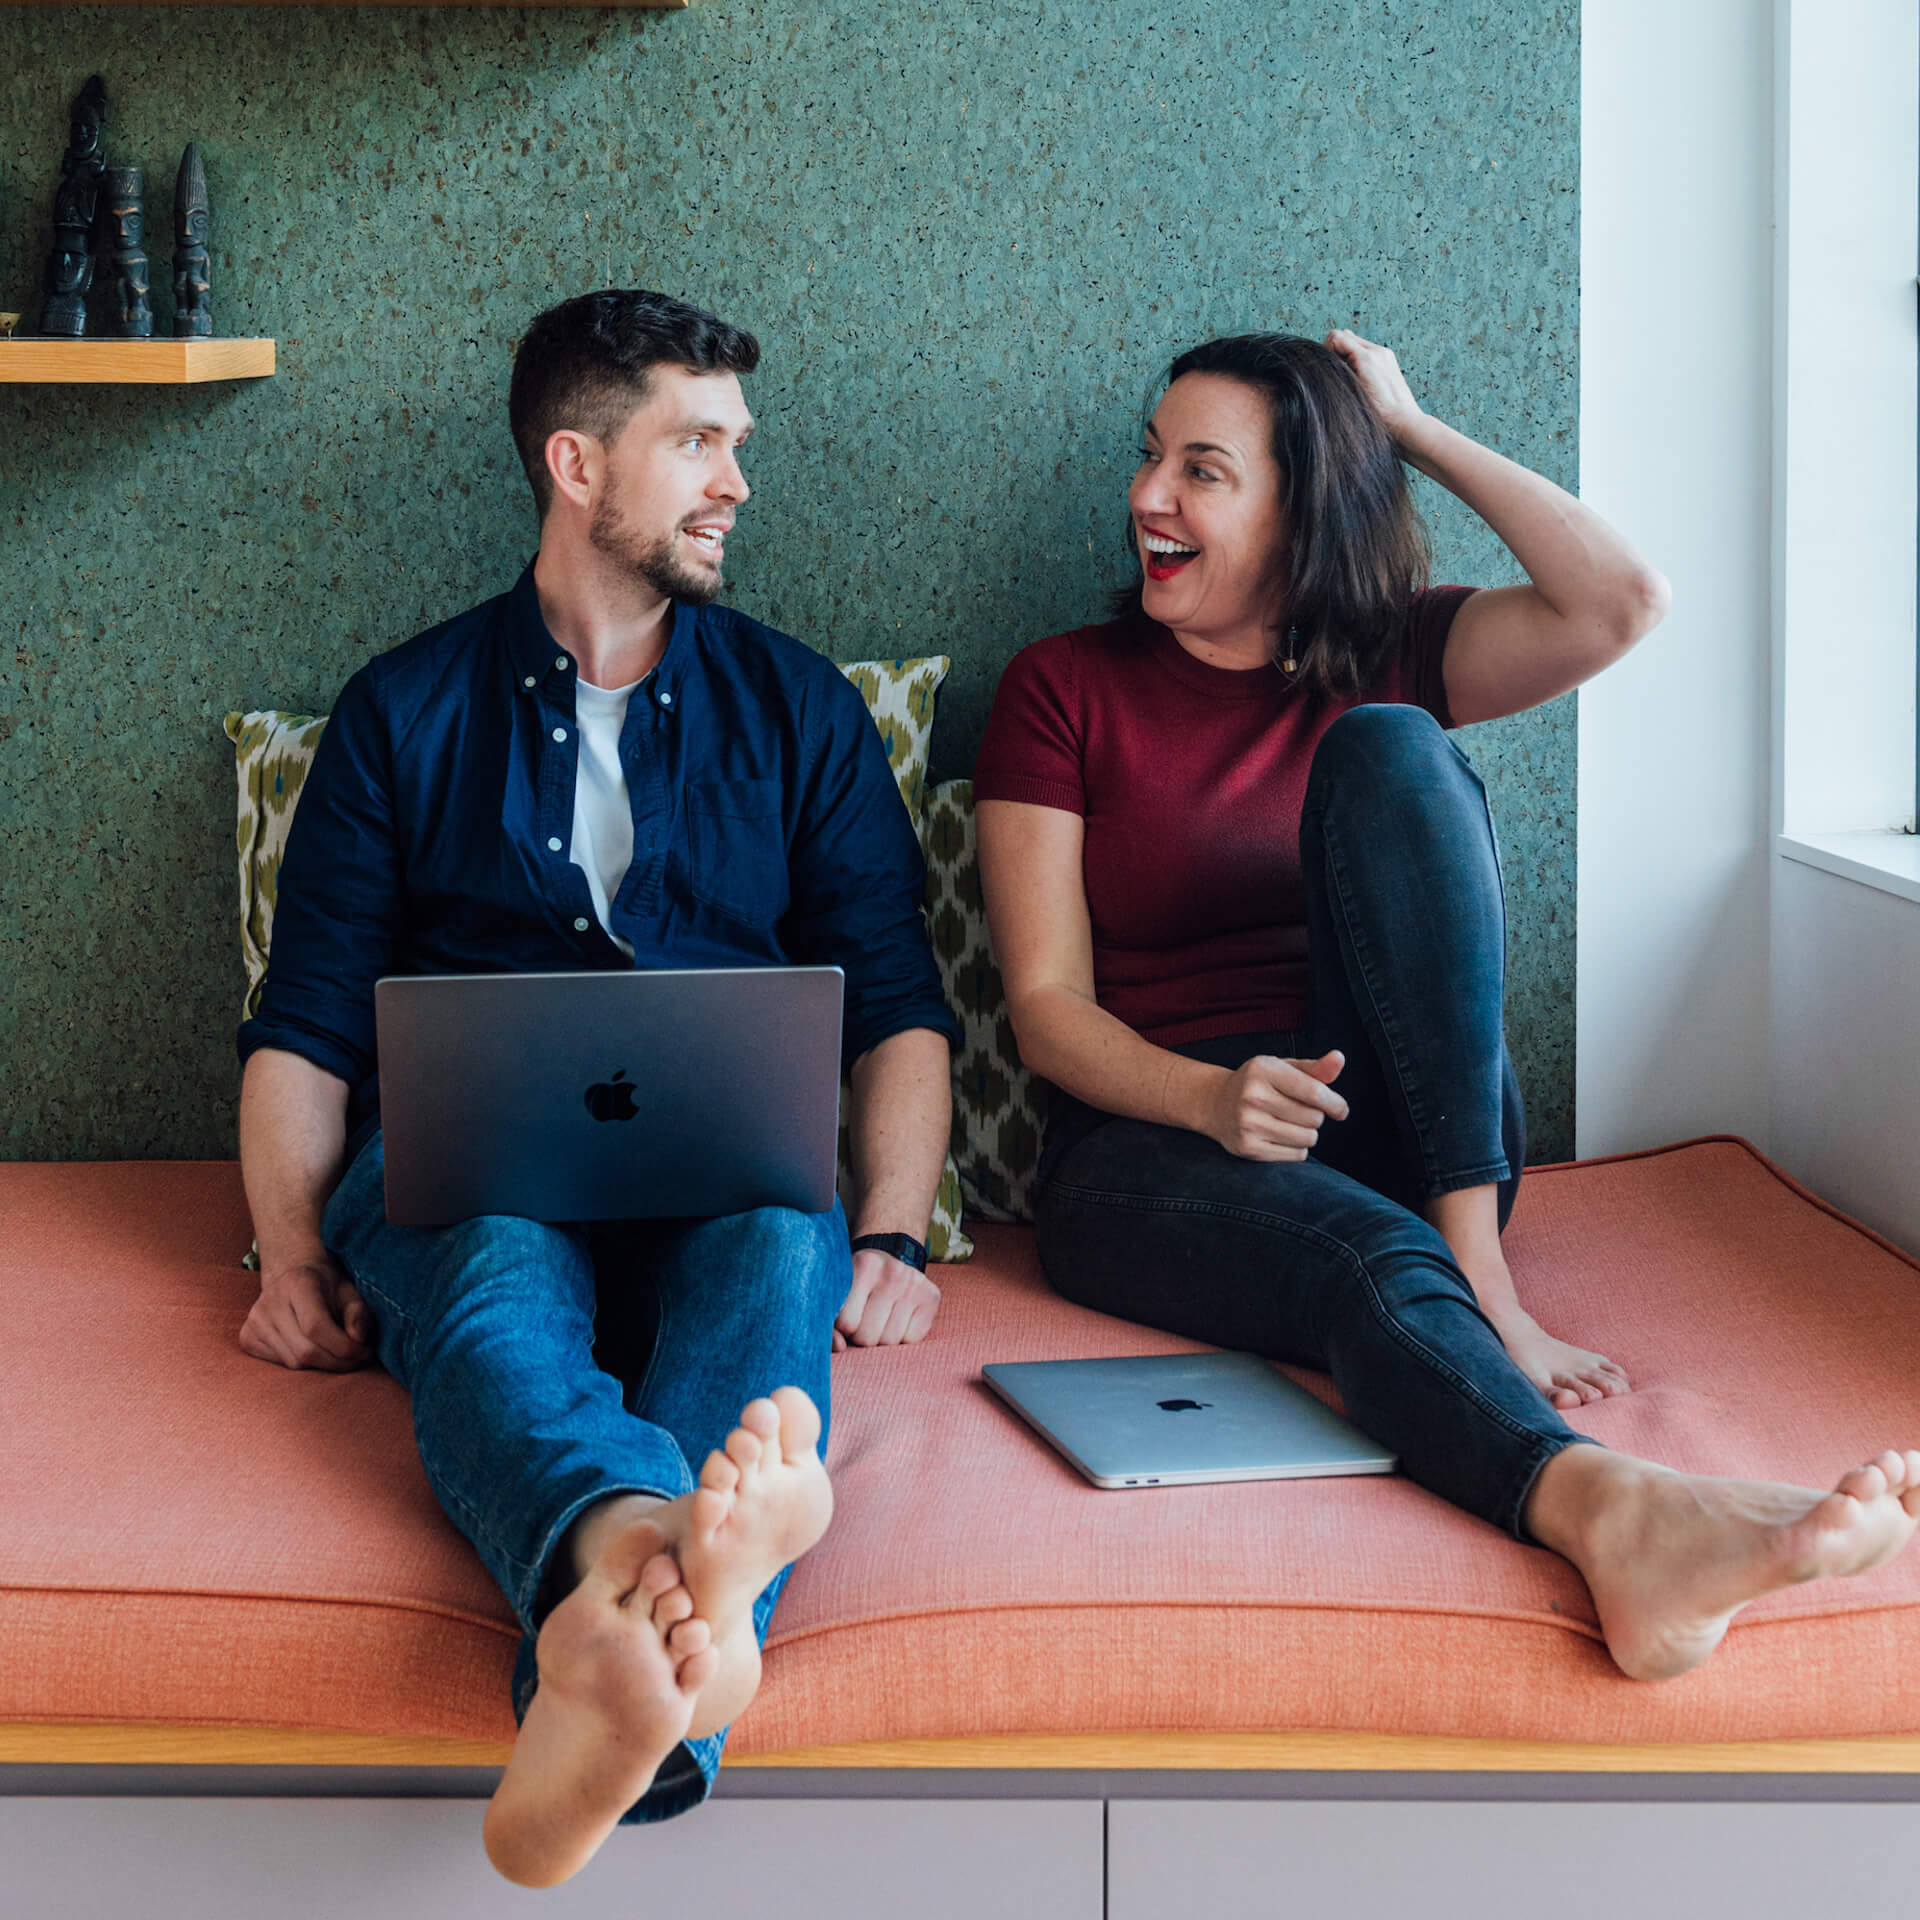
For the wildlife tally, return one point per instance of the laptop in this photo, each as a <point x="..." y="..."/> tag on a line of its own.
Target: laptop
<point x="1183" y="1420"/>
<point x="609" y="1096"/>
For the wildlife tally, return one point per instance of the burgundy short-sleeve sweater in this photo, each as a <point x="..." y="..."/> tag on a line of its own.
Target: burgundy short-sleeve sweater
<point x="1191" y="780"/>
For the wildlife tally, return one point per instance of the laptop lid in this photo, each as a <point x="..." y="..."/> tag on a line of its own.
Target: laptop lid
<point x="1183" y="1419"/>
<point x="609" y="1096"/>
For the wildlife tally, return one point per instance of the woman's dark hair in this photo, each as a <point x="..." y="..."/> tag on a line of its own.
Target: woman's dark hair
<point x="584" y="365"/>
<point x="1359" y="548"/>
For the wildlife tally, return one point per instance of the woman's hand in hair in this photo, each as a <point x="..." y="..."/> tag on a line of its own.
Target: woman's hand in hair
<point x="1381" y="381"/>
<point x="1272" y="1109"/>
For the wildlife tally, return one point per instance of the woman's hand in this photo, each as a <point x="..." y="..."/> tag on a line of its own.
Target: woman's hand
<point x="1272" y="1109"/>
<point x="1381" y="381"/>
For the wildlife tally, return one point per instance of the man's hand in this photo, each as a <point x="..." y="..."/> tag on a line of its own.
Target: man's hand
<point x="309" y="1315"/>
<point x="889" y="1303"/>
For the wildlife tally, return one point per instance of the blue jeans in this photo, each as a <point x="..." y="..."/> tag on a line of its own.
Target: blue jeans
<point x="1328" y="1262"/>
<point x="552" y="1366"/>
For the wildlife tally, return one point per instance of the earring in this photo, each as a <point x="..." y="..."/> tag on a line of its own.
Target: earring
<point x="1291" y="664"/>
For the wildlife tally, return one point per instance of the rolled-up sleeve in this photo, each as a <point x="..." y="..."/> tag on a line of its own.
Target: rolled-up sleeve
<point x="857" y="882"/>
<point x="335" y="923"/>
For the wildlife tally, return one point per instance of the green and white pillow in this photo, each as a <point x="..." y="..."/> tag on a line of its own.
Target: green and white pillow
<point x="997" y="1105"/>
<point x="273" y="751"/>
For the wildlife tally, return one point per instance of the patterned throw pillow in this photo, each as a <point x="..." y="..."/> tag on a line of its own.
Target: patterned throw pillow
<point x="997" y="1104"/>
<point x="272" y="752"/>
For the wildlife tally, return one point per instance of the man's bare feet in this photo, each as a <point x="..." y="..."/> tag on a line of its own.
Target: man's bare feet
<point x="1670" y="1558"/>
<point x="1569" y="1376"/>
<point x="622" y="1659"/>
<point x="763" y="1500"/>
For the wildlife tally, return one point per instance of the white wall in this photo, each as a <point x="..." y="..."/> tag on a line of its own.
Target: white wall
<point x="1846" y="1045"/>
<point x="1675" y="443"/>
<point x="1845" y="1025"/>
<point x="1747" y="417"/>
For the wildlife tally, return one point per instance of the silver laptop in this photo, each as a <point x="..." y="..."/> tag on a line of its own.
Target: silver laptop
<point x="609" y="1096"/>
<point x="1183" y="1419"/>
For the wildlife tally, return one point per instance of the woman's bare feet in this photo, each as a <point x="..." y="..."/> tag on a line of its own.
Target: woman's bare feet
<point x="622" y="1659"/>
<point x="1569" y="1376"/>
<point x="1670" y="1558"/>
<point x="1468" y="1219"/>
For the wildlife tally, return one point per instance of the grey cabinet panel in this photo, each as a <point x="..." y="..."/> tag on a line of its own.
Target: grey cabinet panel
<point x="173" y="1859"/>
<point x="1480" y="1860"/>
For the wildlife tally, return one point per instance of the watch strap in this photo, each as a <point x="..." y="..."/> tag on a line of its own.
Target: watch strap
<point x="902" y="1246"/>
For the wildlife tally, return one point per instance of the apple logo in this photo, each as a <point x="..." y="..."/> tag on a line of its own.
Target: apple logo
<point x="612" y="1099"/>
<point x="1183" y="1406"/>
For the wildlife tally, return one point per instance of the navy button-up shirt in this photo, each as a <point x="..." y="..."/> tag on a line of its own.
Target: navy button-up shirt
<point x="434" y="828"/>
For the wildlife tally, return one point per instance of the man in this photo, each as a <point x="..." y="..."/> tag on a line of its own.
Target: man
<point x="602" y="769"/>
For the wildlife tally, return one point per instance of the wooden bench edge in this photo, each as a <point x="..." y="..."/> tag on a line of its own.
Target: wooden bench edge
<point x="133" y="1744"/>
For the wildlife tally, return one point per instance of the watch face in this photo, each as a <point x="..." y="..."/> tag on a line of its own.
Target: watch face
<point x="902" y="1246"/>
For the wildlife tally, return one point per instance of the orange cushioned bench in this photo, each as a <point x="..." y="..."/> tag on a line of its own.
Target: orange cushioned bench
<point x="190" y="1540"/>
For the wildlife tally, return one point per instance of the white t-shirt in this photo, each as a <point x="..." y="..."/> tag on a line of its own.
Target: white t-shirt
<point x="602" y="813"/>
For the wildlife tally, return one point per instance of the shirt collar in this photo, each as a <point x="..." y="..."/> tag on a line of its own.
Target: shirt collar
<point x="537" y="655"/>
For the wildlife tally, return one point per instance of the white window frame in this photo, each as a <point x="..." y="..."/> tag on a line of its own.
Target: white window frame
<point x="1846" y="401"/>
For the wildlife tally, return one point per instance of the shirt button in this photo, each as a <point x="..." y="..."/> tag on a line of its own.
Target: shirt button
<point x="560" y="665"/>
<point x="559" y="733"/>
<point x="666" y="699"/>
<point x="579" y="926"/>
<point x="528" y="681"/>
<point x="553" y="846"/>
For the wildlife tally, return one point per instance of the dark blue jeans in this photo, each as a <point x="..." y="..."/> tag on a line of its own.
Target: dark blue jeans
<point x="1328" y="1262"/>
<point x="553" y="1366"/>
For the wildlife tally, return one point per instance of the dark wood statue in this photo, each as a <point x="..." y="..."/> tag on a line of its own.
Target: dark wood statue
<point x="75" y="203"/>
<point x="127" y="218"/>
<point x="192" y="218"/>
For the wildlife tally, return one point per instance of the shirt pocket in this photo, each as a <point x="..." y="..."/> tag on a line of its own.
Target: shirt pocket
<point x="737" y="849"/>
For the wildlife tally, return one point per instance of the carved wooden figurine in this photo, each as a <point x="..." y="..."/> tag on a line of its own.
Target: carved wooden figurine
<point x="126" y="215"/>
<point x="75" y="201"/>
<point x="192" y="218"/>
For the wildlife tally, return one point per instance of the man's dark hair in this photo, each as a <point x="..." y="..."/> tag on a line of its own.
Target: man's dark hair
<point x="1359" y="547"/>
<point x="584" y="365"/>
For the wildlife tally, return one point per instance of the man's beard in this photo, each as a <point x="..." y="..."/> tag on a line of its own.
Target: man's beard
<point x="653" y="561"/>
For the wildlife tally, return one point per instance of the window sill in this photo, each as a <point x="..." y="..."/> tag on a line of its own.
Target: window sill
<point x="1889" y="861"/>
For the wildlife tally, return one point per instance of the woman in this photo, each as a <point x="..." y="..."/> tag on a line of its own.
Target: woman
<point x="1246" y="900"/>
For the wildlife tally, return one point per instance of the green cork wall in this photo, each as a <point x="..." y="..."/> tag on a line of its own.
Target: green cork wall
<point x="967" y="236"/>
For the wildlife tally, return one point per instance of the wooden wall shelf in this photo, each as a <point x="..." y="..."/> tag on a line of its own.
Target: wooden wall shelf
<point x="42" y="362"/>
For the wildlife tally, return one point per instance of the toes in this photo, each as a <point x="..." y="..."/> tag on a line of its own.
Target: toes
<point x="660" y="1574"/>
<point x="743" y="1447"/>
<point x="697" y="1669"/>
<point x="707" y="1509"/>
<point x="799" y="1422"/>
<point x="1563" y="1397"/>
<point x="719" y="1475"/>
<point x="624" y="1559"/>
<point x="689" y="1636"/>
<point x="1863" y="1483"/>
<point x="761" y="1418"/>
<point x="672" y="1607"/>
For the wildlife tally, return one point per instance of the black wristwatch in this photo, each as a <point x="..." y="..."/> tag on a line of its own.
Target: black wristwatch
<point x="903" y="1246"/>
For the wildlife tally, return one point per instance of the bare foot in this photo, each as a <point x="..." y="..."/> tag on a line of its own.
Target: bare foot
<point x="1569" y="1376"/>
<point x="1670" y="1558"/>
<point x="761" y="1503"/>
<point x="1468" y="1219"/>
<point x="622" y="1660"/>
